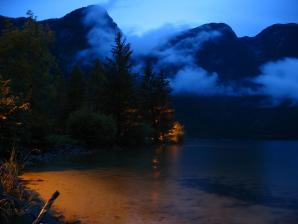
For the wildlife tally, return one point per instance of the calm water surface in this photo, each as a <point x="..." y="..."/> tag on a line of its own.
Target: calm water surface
<point x="214" y="182"/>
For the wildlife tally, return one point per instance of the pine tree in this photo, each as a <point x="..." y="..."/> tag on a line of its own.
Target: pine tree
<point x="76" y="94"/>
<point x="10" y="107"/>
<point x="97" y="88"/>
<point x="146" y="98"/>
<point x="59" y="97"/>
<point x="162" y="110"/>
<point x="155" y="102"/>
<point x="27" y="62"/>
<point x="121" y="94"/>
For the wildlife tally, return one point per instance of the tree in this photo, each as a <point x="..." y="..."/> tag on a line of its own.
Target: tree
<point x="91" y="129"/>
<point x="25" y="60"/>
<point x="175" y="134"/>
<point x="155" y="103"/>
<point x="121" y="92"/>
<point x="162" y="109"/>
<point x="76" y="97"/>
<point x="10" y="107"/>
<point x="97" y="88"/>
<point x="146" y="97"/>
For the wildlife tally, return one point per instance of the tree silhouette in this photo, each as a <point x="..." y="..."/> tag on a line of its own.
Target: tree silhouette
<point x="121" y="94"/>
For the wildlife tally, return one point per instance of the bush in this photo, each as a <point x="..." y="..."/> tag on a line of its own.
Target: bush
<point x="139" y="134"/>
<point x="60" y="140"/>
<point x="39" y="127"/>
<point x="92" y="129"/>
<point x="12" y="193"/>
<point x="175" y="134"/>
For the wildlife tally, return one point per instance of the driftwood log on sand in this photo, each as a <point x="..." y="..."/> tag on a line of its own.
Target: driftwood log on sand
<point x="46" y="208"/>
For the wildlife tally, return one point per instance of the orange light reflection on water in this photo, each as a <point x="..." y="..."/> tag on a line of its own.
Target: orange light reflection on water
<point x="125" y="196"/>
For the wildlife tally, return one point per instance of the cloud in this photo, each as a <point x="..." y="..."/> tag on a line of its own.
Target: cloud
<point x="161" y="44"/>
<point x="279" y="80"/>
<point x="189" y="78"/>
<point x="108" y="4"/>
<point x="182" y="52"/>
<point x="101" y="35"/>
<point x="195" y="80"/>
<point x="146" y="42"/>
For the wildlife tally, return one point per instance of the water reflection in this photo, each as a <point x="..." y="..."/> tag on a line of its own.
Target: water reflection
<point x="201" y="182"/>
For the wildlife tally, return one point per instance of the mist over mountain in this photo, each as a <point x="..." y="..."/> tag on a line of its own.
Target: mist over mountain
<point x="88" y="33"/>
<point x="213" y="57"/>
<point x="80" y="36"/>
<point x="221" y="83"/>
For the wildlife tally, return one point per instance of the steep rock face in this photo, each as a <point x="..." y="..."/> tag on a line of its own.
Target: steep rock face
<point x="234" y="58"/>
<point x="5" y="21"/>
<point x="221" y="28"/>
<point x="275" y="42"/>
<point x="215" y="47"/>
<point x="237" y="61"/>
<point x="227" y="56"/>
<point x="71" y="32"/>
<point x="70" y="35"/>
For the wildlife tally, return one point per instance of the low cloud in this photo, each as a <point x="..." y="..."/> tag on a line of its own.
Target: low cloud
<point x="279" y="80"/>
<point x="190" y="78"/>
<point x="101" y="35"/>
<point x="147" y="42"/>
<point x="182" y="52"/>
<point x="195" y="80"/>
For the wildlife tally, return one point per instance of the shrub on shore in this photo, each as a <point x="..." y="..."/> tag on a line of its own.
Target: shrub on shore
<point x="138" y="134"/>
<point x="17" y="204"/>
<point x="92" y="129"/>
<point x="13" y="198"/>
<point x="56" y="140"/>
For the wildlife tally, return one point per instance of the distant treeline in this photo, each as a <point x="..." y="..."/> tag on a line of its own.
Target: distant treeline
<point x="103" y="105"/>
<point x="242" y="117"/>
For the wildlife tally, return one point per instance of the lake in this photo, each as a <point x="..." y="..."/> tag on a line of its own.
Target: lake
<point x="200" y="182"/>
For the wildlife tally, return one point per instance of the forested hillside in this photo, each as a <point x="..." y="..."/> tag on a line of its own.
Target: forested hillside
<point x="43" y="105"/>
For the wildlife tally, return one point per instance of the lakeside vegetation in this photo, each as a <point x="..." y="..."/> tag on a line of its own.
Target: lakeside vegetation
<point x="12" y="197"/>
<point x="101" y="105"/>
<point x="18" y="204"/>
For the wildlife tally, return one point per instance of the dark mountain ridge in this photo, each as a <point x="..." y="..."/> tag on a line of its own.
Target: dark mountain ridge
<point x="71" y="33"/>
<point x="216" y="48"/>
<point x="234" y="58"/>
<point x="231" y="57"/>
<point x="275" y="42"/>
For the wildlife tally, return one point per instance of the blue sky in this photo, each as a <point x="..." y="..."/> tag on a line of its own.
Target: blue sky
<point x="247" y="17"/>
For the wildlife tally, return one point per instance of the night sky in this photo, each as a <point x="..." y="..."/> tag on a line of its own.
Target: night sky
<point x="138" y="16"/>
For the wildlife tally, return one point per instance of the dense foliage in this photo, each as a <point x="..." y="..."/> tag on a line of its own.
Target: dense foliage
<point x="91" y="128"/>
<point x="103" y="104"/>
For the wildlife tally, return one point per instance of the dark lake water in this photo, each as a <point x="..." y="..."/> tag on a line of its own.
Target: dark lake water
<point x="202" y="181"/>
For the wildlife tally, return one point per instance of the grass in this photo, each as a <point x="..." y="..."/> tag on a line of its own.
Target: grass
<point x="14" y="200"/>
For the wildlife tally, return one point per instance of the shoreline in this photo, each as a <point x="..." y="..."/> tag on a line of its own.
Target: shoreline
<point x="18" y="203"/>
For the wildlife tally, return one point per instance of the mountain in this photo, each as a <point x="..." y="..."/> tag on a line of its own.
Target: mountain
<point x="273" y="43"/>
<point x="216" y="48"/>
<point x="71" y="32"/>
<point x="87" y="33"/>
<point x="231" y="57"/>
